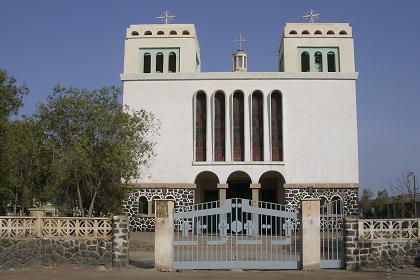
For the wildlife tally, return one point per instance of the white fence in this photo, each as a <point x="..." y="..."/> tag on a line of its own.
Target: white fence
<point x="55" y="227"/>
<point x="380" y="229"/>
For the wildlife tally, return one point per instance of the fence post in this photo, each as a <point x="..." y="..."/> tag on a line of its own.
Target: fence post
<point x="164" y="234"/>
<point x="310" y="234"/>
<point x="38" y="213"/>
<point x="120" y="241"/>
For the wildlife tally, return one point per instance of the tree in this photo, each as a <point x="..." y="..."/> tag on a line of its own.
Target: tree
<point x="97" y="146"/>
<point x="403" y="191"/>
<point x="373" y="207"/>
<point x="28" y="164"/>
<point x="11" y="99"/>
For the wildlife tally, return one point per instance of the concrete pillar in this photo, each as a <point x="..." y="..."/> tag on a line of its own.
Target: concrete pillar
<point x="222" y="192"/>
<point x="120" y="241"/>
<point x="164" y="234"/>
<point x="310" y="234"/>
<point x="255" y="188"/>
<point x="38" y="213"/>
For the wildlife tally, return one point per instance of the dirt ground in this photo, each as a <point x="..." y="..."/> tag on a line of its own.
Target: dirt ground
<point x="132" y="272"/>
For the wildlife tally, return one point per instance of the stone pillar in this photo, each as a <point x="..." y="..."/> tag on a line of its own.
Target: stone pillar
<point x="351" y="250"/>
<point x="222" y="192"/>
<point x="310" y="234"/>
<point x="164" y="234"/>
<point x="120" y="241"/>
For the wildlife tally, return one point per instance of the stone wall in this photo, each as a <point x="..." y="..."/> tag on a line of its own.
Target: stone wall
<point x="390" y="252"/>
<point x="29" y="252"/>
<point x="349" y="196"/>
<point x="184" y="198"/>
<point x="49" y="241"/>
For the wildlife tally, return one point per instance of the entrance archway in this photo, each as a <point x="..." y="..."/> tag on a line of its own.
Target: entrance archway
<point x="206" y="187"/>
<point x="272" y="187"/>
<point x="239" y="185"/>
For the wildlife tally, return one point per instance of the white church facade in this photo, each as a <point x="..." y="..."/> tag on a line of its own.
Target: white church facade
<point x="270" y="136"/>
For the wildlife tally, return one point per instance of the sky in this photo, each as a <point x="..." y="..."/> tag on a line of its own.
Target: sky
<point x="80" y="43"/>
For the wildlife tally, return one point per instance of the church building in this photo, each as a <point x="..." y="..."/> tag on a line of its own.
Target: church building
<point x="270" y="136"/>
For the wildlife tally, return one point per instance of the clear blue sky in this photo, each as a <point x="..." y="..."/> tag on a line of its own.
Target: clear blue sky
<point x="80" y="43"/>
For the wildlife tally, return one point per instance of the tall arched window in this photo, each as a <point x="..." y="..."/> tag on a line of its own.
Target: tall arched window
<point x="238" y="126"/>
<point x="147" y="58"/>
<point x="276" y="127"/>
<point x="200" y="126"/>
<point x="331" y="62"/>
<point x="304" y="61"/>
<point x="336" y="205"/>
<point x="143" y="206"/>
<point x="219" y="126"/>
<point x="172" y="62"/>
<point x="318" y="62"/>
<point x="159" y="62"/>
<point x="257" y="126"/>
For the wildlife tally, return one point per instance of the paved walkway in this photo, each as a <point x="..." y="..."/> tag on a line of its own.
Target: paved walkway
<point x="132" y="272"/>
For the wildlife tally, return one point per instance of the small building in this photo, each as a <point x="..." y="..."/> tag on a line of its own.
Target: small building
<point x="392" y="210"/>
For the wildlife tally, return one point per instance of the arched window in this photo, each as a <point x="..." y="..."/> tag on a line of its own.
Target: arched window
<point x="173" y="32"/>
<point x="153" y="204"/>
<point x="172" y="62"/>
<point x="257" y="127"/>
<point x="318" y="32"/>
<point x="331" y="62"/>
<point x="318" y="62"/>
<point x="305" y="32"/>
<point x="135" y="33"/>
<point x="147" y="58"/>
<point x="143" y="206"/>
<point x="292" y="32"/>
<point x="160" y="33"/>
<point x="323" y="201"/>
<point x="330" y="32"/>
<point x="185" y="32"/>
<point x="200" y="126"/>
<point x="219" y="126"/>
<point x="342" y="32"/>
<point x="276" y="127"/>
<point x="238" y="126"/>
<point x="336" y="205"/>
<point x="159" y="62"/>
<point x="148" y="33"/>
<point x="304" y="61"/>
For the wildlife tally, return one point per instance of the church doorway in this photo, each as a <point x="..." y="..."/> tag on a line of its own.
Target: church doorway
<point x="239" y="185"/>
<point x="206" y="187"/>
<point x="272" y="187"/>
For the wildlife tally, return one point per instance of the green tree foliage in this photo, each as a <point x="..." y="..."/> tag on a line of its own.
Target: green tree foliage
<point x="97" y="146"/>
<point x="373" y="206"/>
<point x="28" y="165"/>
<point x="11" y="99"/>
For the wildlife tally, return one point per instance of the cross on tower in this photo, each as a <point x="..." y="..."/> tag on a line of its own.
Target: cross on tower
<point x="166" y="17"/>
<point x="241" y="40"/>
<point x="311" y="16"/>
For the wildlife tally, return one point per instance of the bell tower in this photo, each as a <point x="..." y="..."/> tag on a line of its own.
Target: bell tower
<point x="161" y="48"/>
<point x="240" y="58"/>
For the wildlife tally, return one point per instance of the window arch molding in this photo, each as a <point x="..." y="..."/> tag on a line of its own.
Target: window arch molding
<point x="204" y="146"/>
<point x="219" y="110"/>
<point x="275" y="126"/>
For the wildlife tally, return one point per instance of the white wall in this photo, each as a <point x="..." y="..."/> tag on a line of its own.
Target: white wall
<point x="319" y="113"/>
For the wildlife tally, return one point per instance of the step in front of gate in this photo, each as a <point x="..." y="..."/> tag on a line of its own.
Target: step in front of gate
<point x="236" y="265"/>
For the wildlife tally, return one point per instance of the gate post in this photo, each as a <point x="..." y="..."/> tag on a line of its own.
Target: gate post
<point x="310" y="234"/>
<point x="164" y="234"/>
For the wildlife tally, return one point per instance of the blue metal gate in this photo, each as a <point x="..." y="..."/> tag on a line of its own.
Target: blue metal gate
<point x="236" y="233"/>
<point x="332" y="249"/>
